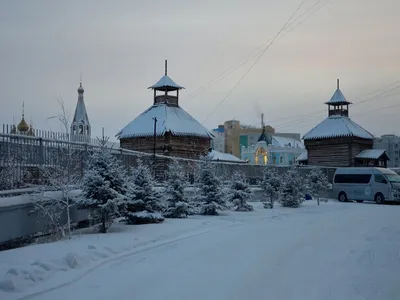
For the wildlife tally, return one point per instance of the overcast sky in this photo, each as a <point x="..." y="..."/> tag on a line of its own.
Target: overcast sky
<point x="120" y="47"/>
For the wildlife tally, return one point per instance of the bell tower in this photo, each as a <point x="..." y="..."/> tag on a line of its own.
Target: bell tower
<point x="80" y="126"/>
<point x="164" y="90"/>
<point x="338" y="105"/>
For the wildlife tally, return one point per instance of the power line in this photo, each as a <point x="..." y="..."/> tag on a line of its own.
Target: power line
<point x="374" y="97"/>
<point x="255" y="52"/>
<point x="255" y="62"/>
<point x="355" y="114"/>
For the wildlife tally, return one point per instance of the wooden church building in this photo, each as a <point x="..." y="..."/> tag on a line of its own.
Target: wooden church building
<point x="166" y="128"/>
<point x="340" y="142"/>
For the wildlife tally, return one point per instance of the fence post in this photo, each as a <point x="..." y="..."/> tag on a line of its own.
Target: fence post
<point x="84" y="153"/>
<point x="41" y="160"/>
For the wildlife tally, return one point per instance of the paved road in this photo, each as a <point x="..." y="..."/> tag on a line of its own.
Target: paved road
<point x="335" y="251"/>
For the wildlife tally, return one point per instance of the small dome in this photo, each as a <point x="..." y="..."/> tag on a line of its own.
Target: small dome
<point x="23" y="126"/>
<point x="80" y="89"/>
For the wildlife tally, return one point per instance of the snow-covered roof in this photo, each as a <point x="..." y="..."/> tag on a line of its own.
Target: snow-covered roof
<point x="337" y="126"/>
<point x="169" y="119"/>
<point x="303" y="156"/>
<point x="216" y="155"/>
<point x="166" y="82"/>
<point x="284" y="142"/>
<point x="338" y="98"/>
<point x="372" y="154"/>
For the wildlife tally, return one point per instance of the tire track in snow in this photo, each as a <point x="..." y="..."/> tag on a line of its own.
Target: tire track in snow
<point x="123" y="257"/>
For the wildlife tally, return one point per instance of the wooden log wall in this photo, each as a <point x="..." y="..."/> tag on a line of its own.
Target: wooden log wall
<point x="338" y="152"/>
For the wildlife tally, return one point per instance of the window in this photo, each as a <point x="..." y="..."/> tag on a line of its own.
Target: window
<point x="380" y="178"/>
<point x="281" y="160"/>
<point x="353" y="178"/>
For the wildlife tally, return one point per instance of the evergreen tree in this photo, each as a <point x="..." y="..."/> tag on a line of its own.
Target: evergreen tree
<point x="270" y="185"/>
<point x="291" y="191"/>
<point x="174" y="194"/>
<point x="210" y="197"/>
<point x="103" y="186"/>
<point x="317" y="183"/>
<point x="240" y="193"/>
<point x="142" y="204"/>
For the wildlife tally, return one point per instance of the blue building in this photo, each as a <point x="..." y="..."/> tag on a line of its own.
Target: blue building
<point x="272" y="150"/>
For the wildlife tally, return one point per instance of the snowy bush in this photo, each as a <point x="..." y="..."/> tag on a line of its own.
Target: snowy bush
<point x="240" y="193"/>
<point x="317" y="183"/>
<point x="291" y="191"/>
<point x="270" y="185"/>
<point x="210" y="197"/>
<point x="103" y="186"/>
<point x="142" y="204"/>
<point x="174" y="194"/>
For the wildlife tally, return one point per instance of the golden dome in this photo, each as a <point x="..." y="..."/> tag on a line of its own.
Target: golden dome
<point x="23" y="126"/>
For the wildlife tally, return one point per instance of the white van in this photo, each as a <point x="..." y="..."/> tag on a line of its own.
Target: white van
<point x="366" y="184"/>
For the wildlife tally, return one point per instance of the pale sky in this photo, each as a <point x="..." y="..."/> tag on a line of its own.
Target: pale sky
<point x="120" y="47"/>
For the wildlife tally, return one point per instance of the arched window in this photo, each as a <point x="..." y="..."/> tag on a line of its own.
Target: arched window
<point x="74" y="130"/>
<point x="261" y="157"/>
<point x="80" y="129"/>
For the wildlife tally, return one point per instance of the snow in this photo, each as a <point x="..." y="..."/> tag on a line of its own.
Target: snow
<point x="284" y="142"/>
<point x="371" y="153"/>
<point x="338" y="98"/>
<point x="216" y="155"/>
<point x="169" y="119"/>
<point x="303" y="156"/>
<point x="27" y="198"/>
<point x="337" y="126"/>
<point x="166" y="81"/>
<point x="281" y="253"/>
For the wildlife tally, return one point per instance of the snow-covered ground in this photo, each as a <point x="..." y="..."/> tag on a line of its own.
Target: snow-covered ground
<point x="332" y="251"/>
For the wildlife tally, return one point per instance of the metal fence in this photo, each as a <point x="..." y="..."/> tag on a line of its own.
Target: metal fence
<point x="27" y="161"/>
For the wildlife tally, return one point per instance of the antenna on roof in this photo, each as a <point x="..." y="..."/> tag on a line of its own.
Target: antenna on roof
<point x="337" y="83"/>
<point x="166" y="67"/>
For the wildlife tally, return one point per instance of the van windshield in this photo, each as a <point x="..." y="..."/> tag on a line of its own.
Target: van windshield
<point x="393" y="178"/>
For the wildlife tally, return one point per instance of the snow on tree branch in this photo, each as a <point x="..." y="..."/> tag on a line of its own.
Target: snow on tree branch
<point x="174" y="193"/>
<point x="270" y="185"/>
<point x="104" y="186"/>
<point x="240" y="192"/>
<point x="142" y="203"/>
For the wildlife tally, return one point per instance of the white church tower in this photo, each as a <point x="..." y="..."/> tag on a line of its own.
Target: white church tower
<point x="80" y="126"/>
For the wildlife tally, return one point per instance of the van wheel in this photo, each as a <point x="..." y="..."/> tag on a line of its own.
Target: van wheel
<point x="360" y="201"/>
<point x="342" y="197"/>
<point x="379" y="198"/>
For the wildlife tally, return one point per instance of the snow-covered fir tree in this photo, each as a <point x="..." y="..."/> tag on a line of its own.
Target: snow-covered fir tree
<point x="317" y="183"/>
<point x="291" y="191"/>
<point x="103" y="186"/>
<point x="270" y="185"/>
<point x="210" y="198"/>
<point x="174" y="194"/>
<point x="142" y="204"/>
<point x="240" y="192"/>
